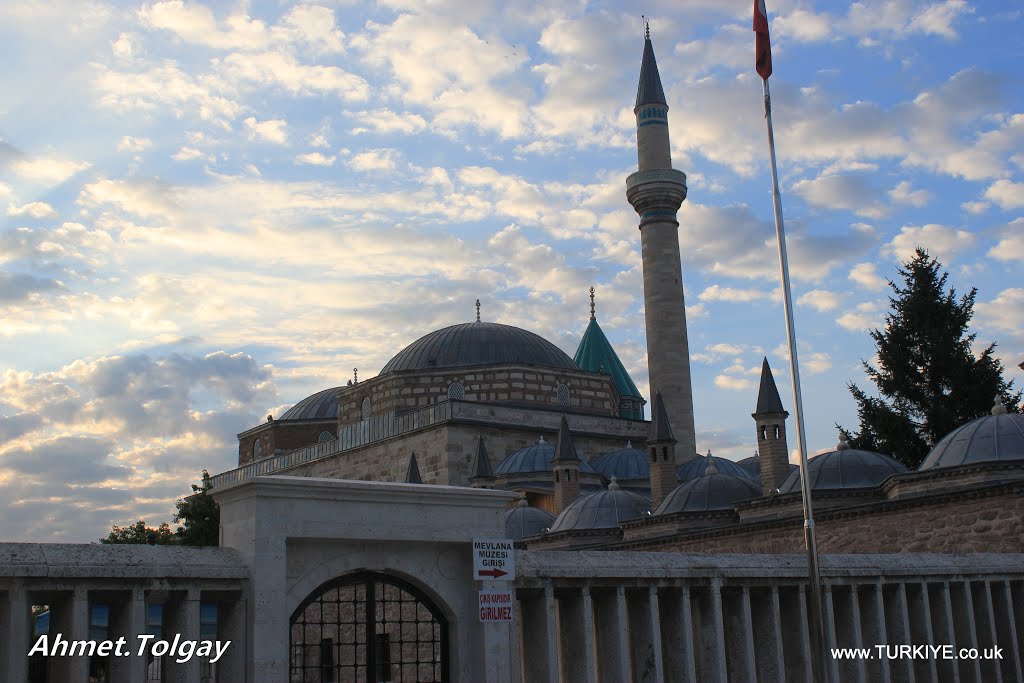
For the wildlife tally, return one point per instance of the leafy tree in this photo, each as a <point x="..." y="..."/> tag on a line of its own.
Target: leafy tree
<point x="928" y="379"/>
<point x="140" y="534"/>
<point x="200" y="516"/>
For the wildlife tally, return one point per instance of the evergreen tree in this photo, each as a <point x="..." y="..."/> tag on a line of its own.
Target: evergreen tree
<point x="199" y="515"/>
<point x="140" y="534"/>
<point x="928" y="380"/>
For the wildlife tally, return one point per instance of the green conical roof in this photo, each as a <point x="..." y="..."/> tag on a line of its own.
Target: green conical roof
<point x="595" y="354"/>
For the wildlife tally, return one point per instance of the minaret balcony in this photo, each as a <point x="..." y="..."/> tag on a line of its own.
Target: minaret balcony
<point x="656" y="190"/>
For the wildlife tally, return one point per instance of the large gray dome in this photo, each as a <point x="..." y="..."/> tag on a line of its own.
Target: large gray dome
<point x="998" y="437"/>
<point x="709" y="492"/>
<point x="624" y="464"/>
<point x="695" y="468"/>
<point x="479" y="343"/>
<point x="845" y="468"/>
<point x="321" y="405"/>
<point x="605" y="509"/>
<point x="534" y="458"/>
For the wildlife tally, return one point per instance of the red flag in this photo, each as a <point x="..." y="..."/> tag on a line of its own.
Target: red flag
<point x="763" y="51"/>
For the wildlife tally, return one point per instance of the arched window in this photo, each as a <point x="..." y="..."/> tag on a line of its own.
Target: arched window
<point x="562" y="395"/>
<point x="776" y="428"/>
<point x="456" y="391"/>
<point x="257" y="449"/>
<point x="366" y="408"/>
<point x="325" y="436"/>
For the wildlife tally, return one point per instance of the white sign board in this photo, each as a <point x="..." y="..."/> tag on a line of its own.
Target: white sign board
<point x="496" y="605"/>
<point x="493" y="559"/>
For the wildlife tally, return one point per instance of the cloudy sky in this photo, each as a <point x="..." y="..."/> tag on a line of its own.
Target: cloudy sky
<point x="209" y="211"/>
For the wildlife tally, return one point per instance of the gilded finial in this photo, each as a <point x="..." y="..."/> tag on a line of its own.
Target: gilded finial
<point x="647" y="28"/>
<point x="592" y="316"/>
<point x="478" y="310"/>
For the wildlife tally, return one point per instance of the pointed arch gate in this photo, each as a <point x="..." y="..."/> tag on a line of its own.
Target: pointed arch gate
<point x="368" y="627"/>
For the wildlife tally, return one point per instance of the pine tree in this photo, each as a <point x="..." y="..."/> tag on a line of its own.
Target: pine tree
<point x="928" y="380"/>
<point x="199" y="515"/>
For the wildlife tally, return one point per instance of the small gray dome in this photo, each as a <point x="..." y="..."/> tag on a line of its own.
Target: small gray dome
<point x="753" y="467"/>
<point x="605" y="509"/>
<point x="998" y="437"/>
<point x="845" y="468"/>
<point x="624" y="464"/>
<point x="694" y="469"/>
<point x="709" y="492"/>
<point x="523" y="520"/>
<point x="321" y="405"/>
<point x="534" y="458"/>
<point x="479" y="343"/>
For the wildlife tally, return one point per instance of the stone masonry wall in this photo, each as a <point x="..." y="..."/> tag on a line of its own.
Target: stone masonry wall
<point x="283" y="436"/>
<point x="990" y="523"/>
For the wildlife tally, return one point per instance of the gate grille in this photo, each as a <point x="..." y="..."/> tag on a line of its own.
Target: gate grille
<point x="368" y="627"/>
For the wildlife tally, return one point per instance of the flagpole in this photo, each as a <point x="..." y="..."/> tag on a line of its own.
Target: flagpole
<point x="815" y="612"/>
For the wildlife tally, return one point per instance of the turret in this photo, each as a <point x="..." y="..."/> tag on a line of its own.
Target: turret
<point x="566" y="466"/>
<point x="482" y="476"/>
<point x="770" y="419"/>
<point x="661" y="449"/>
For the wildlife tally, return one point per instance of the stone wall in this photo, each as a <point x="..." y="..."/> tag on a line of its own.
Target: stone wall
<point x="282" y="436"/>
<point x="520" y="384"/>
<point x="984" y="520"/>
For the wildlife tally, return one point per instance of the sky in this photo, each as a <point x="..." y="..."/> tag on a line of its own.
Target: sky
<point x="209" y="211"/>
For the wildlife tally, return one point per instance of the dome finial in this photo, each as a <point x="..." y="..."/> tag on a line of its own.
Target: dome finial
<point x="355" y="375"/>
<point x="844" y="443"/>
<point x="999" y="408"/>
<point x="478" y="310"/>
<point x="712" y="467"/>
<point x="522" y="501"/>
<point x="592" y="316"/>
<point x="613" y="485"/>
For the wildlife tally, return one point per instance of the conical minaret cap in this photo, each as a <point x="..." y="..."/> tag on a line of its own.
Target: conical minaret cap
<point x="482" y="463"/>
<point x="768" y="400"/>
<point x="565" y="451"/>
<point x="661" y="429"/>
<point x="412" y="475"/>
<point x="649" y="91"/>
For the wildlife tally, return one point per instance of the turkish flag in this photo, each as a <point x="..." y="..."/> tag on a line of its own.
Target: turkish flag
<point x="763" y="50"/>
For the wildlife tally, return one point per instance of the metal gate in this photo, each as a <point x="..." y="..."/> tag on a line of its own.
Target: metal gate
<point x="368" y="628"/>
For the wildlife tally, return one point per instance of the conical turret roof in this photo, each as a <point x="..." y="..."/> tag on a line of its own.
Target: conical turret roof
<point x="565" y="451"/>
<point x="482" y="463"/>
<point x="412" y="475"/>
<point x="660" y="430"/>
<point x="649" y="91"/>
<point x="595" y="354"/>
<point x="768" y="400"/>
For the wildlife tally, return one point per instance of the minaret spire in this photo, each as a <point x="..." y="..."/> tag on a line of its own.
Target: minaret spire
<point x="656" y="192"/>
<point x="593" y="316"/>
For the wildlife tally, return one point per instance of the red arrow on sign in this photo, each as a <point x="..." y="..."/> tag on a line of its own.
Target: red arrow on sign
<point x="493" y="573"/>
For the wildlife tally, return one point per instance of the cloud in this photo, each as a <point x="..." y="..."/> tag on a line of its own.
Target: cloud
<point x="904" y="194"/>
<point x="385" y="121"/>
<point x="851" y="192"/>
<point x="942" y="242"/>
<point x="272" y="130"/>
<point x="719" y="293"/>
<point x="866" y="275"/>
<point x="32" y="210"/>
<point x="816" y="363"/>
<point x="731" y="383"/>
<point x="803" y="26"/>
<point x="374" y="160"/>
<point x="48" y="171"/>
<point x="283" y="70"/>
<point x="129" y="143"/>
<point x="1005" y="312"/>
<point x="864" y="316"/>
<point x="165" y="88"/>
<point x="1011" y="244"/>
<point x="19" y="286"/>
<point x="315" y="159"/>
<point x="820" y="300"/>
<point x="1007" y="194"/>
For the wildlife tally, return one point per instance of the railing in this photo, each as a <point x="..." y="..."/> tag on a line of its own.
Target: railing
<point x="375" y="428"/>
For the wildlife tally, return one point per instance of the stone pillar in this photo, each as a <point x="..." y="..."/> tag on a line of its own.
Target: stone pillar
<point x="944" y="632"/>
<point x="269" y="625"/>
<point x="746" y="656"/>
<point x="576" y="637"/>
<point x="128" y="620"/>
<point x="70" y="618"/>
<point x="712" y="635"/>
<point x="540" y="656"/>
<point x="873" y="619"/>
<point x="831" y="639"/>
<point x="182" y="619"/>
<point x="645" y="635"/>
<point x="231" y="626"/>
<point x="967" y="634"/>
<point x="897" y="614"/>
<point x="920" y="625"/>
<point x="987" y="632"/>
<point x="677" y="624"/>
<point x="16" y="625"/>
<point x="1006" y="624"/>
<point x="611" y="635"/>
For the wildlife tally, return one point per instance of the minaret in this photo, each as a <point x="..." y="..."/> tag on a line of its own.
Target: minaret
<point x="770" y="418"/>
<point x="566" y="466"/>
<point x="656" y="192"/>
<point x="661" y="447"/>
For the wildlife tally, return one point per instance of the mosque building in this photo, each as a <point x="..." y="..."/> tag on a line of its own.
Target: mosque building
<point x="492" y="406"/>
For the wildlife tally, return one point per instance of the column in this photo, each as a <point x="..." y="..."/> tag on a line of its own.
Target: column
<point x="612" y="636"/>
<point x="1006" y="626"/>
<point x="645" y="636"/>
<point x="231" y="626"/>
<point x="771" y="633"/>
<point x="575" y="637"/>
<point x="182" y="622"/>
<point x="876" y="634"/>
<point x="830" y="628"/>
<point x="944" y="634"/>
<point x="677" y="636"/>
<point x="70" y="618"/>
<point x="898" y="613"/>
<point x="269" y="621"/>
<point x="16" y="624"/>
<point x="713" y="635"/>
<point x="128" y="620"/>
<point x="540" y="656"/>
